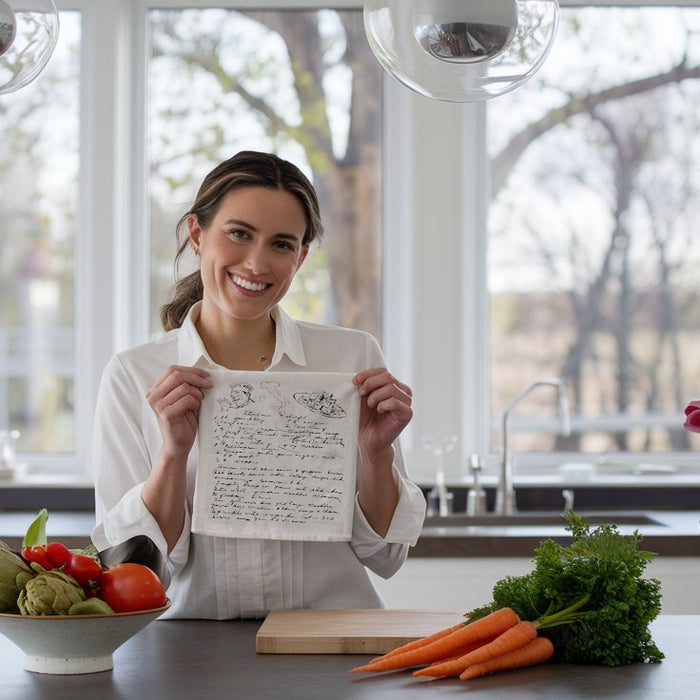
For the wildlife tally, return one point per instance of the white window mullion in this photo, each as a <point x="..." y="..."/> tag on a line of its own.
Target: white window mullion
<point x="96" y="230"/>
<point x="133" y="254"/>
<point x="475" y="387"/>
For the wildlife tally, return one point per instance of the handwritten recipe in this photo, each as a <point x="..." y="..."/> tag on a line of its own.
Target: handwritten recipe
<point x="277" y="456"/>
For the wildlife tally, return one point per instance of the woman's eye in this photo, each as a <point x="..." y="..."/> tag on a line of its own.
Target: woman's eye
<point x="237" y="233"/>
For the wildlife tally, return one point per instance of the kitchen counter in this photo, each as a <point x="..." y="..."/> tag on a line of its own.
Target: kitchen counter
<point x="184" y="659"/>
<point x="667" y="533"/>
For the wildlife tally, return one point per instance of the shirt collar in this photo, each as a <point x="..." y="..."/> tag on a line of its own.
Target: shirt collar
<point x="191" y="350"/>
<point x="288" y="340"/>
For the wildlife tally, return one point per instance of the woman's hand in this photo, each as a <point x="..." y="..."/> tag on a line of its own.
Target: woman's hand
<point x="385" y="409"/>
<point x="176" y="397"/>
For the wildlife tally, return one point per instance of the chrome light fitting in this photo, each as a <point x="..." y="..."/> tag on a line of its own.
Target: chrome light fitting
<point x="461" y="50"/>
<point x="28" y="35"/>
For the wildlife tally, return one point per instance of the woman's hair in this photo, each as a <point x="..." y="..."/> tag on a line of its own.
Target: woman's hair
<point x="245" y="169"/>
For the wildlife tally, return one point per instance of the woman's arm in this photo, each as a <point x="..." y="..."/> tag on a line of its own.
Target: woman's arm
<point x="175" y="398"/>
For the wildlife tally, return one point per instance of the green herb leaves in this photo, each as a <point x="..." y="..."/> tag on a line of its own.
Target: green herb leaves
<point x="612" y="628"/>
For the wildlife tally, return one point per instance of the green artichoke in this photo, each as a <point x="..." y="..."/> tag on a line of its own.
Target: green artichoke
<point x="50" y="593"/>
<point x="14" y="574"/>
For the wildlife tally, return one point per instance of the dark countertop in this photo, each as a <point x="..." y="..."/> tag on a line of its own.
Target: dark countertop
<point x="205" y="659"/>
<point x="670" y="533"/>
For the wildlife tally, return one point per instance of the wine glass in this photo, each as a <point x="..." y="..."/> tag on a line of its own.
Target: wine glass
<point x="439" y="447"/>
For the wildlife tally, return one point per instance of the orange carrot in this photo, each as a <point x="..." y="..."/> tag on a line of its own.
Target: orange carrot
<point x="423" y="641"/>
<point x="513" y="638"/>
<point x="537" y="651"/>
<point x="484" y="628"/>
<point x="462" y="651"/>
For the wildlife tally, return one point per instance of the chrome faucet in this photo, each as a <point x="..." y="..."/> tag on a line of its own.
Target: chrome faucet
<point x="505" y="494"/>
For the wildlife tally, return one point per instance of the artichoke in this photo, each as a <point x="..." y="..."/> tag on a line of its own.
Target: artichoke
<point x="50" y="593"/>
<point x="14" y="574"/>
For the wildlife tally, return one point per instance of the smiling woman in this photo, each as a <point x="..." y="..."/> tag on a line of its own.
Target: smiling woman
<point x="151" y="409"/>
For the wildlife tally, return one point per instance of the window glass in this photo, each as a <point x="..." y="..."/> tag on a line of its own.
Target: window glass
<point x="39" y="171"/>
<point x="593" y="246"/>
<point x="302" y="84"/>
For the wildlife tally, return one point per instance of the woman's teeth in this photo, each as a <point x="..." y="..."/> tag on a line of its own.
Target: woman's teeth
<point x="252" y="286"/>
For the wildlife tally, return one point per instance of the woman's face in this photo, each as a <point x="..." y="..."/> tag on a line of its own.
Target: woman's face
<point x="250" y="252"/>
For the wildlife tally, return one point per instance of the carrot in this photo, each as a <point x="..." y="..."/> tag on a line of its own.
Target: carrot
<point x="537" y="651"/>
<point x="482" y="629"/>
<point x="513" y="638"/>
<point x="462" y="651"/>
<point x="423" y="641"/>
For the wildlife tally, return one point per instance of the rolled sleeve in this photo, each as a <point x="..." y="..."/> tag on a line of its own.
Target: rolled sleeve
<point x="385" y="555"/>
<point x="129" y="518"/>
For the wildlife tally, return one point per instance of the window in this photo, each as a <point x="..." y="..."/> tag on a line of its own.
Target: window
<point x="487" y="245"/>
<point x="39" y="178"/>
<point x="593" y="248"/>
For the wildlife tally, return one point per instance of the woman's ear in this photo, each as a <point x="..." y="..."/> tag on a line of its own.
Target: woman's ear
<point x="195" y="233"/>
<point x="302" y="256"/>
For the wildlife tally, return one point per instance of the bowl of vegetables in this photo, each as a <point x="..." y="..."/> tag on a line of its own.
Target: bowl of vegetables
<point x="68" y="610"/>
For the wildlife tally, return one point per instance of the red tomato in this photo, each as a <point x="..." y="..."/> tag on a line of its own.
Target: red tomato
<point x="37" y="554"/>
<point x="57" y="553"/>
<point x="85" y="570"/>
<point x="129" y="586"/>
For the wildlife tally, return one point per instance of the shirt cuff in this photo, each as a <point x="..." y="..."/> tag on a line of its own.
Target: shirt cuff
<point x="406" y="524"/>
<point x="130" y="517"/>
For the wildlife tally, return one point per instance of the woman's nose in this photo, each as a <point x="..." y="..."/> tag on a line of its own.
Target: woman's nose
<point x="256" y="259"/>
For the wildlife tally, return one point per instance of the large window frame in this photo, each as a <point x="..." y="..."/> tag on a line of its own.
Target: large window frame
<point x="435" y="315"/>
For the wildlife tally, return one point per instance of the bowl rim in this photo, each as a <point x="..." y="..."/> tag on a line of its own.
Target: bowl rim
<point x="91" y="616"/>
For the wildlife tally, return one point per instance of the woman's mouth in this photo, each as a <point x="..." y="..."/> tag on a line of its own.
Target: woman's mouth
<point x="248" y="285"/>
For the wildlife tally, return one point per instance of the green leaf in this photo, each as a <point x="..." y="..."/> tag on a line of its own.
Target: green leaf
<point x="36" y="532"/>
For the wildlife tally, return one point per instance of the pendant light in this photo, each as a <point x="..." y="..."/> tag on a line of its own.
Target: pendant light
<point x="28" y="35"/>
<point x="461" y="50"/>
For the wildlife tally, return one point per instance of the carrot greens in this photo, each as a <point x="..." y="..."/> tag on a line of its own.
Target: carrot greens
<point x="612" y="628"/>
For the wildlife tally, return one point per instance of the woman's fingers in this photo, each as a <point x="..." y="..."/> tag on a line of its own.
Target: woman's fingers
<point x="176" y="398"/>
<point x="382" y="390"/>
<point x="176" y="376"/>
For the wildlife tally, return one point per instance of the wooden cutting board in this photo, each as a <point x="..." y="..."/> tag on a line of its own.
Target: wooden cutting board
<point x="347" y="631"/>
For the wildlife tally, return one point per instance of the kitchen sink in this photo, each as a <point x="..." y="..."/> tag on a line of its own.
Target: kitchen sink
<point x="540" y="518"/>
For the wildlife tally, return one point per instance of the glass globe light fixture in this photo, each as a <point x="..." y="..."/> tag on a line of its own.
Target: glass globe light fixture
<point x="28" y="35"/>
<point x="461" y="50"/>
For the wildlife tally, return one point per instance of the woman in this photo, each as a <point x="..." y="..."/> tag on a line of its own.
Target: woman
<point x="251" y="226"/>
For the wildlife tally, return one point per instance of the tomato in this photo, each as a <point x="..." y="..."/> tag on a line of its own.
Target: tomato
<point x="57" y="553"/>
<point x="129" y="586"/>
<point x="38" y="554"/>
<point x="85" y="570"/>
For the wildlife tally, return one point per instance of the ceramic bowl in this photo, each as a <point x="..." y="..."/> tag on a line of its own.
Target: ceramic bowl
<point x="70" y="644"/>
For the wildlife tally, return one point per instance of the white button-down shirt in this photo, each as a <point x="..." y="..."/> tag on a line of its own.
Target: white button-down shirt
<point x="222" y="578"/>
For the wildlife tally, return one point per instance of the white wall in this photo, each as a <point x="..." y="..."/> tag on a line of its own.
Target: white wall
<point x="464" y="583"/>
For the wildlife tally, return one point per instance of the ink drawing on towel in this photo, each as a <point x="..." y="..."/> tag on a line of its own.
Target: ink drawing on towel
<point x="277" y="456"/>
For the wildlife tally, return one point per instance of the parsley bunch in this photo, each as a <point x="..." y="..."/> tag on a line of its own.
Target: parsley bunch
<point x="612" y="627"/>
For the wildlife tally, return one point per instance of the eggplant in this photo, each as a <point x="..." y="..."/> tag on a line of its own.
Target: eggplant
<point x="140" y="550"/>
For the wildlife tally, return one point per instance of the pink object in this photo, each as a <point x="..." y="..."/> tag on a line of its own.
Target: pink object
<point x="692" y="417"/>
